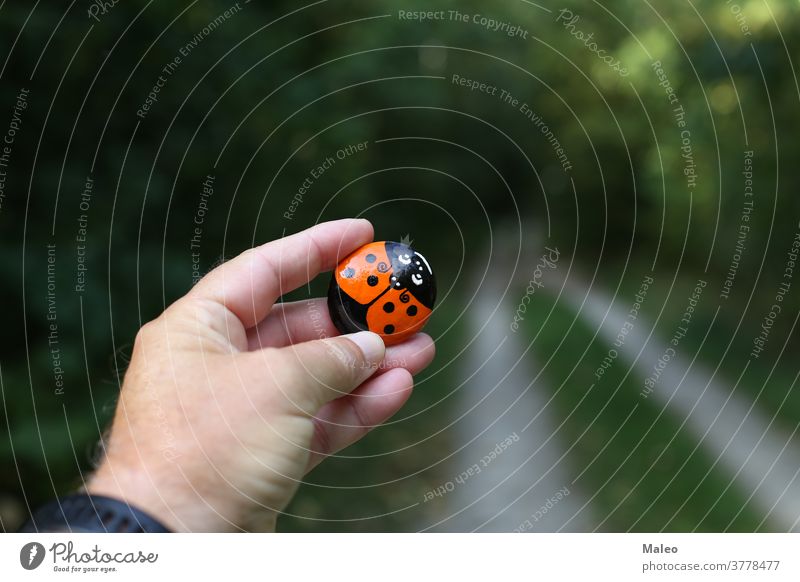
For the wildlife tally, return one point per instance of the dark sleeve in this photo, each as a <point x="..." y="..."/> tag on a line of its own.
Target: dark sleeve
<point x="91" y="513"/>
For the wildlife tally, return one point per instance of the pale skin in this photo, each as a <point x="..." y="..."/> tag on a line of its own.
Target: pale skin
<point x="231" y="398"/>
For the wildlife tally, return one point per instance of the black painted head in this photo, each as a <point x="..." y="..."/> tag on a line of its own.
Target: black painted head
<point x="411" y="271"/>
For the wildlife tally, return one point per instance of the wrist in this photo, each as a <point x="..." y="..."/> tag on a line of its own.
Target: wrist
<point x="143" y="490"/>
<point x="168" y="495"/>
<point x="130" y="487"/>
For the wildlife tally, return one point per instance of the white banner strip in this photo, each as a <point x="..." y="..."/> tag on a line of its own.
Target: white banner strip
<point x="401" y="557"/>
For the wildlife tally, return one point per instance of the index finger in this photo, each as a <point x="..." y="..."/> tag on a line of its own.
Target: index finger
<point x="249" y="284"/>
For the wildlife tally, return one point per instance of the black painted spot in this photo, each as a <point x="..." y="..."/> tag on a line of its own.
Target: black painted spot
<point x="370" y="258"/>
<point x="388" y="307"/>
<point x="372" y="280"/>
<point x="388" y="329"/>
<point x="412" y="311"/>
<point x="348" y="273"/>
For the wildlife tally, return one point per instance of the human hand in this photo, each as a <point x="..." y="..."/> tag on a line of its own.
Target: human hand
<point x="230" y="399"/>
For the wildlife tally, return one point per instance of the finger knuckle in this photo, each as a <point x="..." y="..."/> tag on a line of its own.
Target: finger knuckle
<point x="144" y="335"/>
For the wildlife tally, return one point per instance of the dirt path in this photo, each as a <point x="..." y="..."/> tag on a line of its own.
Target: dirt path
<point x="523" y="479"/>
<point x="762" y="459"/>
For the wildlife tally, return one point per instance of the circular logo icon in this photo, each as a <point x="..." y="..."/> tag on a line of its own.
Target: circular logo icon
<point x="31" y="555"/>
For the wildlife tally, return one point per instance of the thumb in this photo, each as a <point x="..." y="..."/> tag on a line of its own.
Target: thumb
<point x="323" y="370"/>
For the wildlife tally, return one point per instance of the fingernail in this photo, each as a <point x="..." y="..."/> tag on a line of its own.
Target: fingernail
<point x="371" y="345"/>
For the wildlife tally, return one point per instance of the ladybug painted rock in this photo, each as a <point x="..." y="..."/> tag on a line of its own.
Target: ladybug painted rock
<point x="384" y="287"/>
